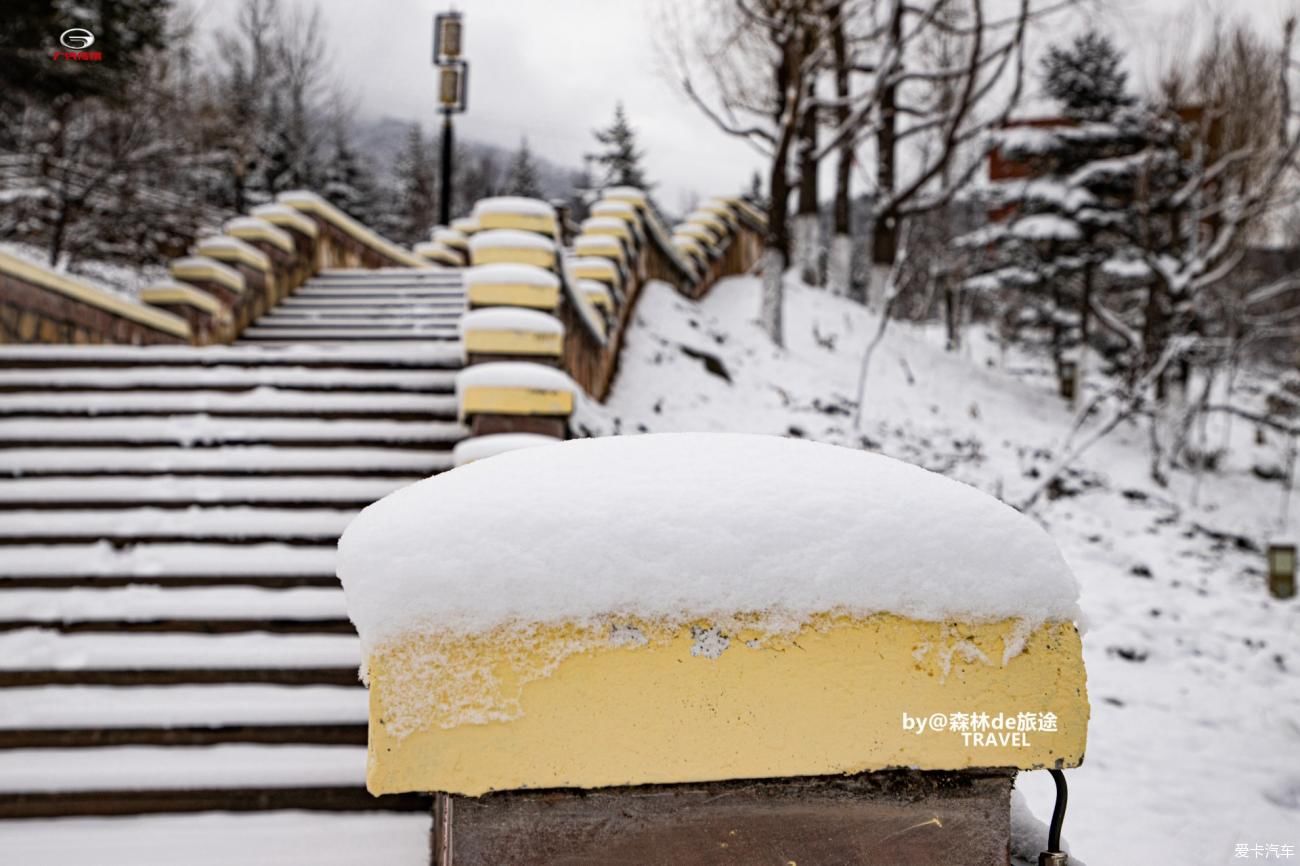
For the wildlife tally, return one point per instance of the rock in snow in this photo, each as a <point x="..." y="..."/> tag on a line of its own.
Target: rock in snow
<point x="680" y="526"/>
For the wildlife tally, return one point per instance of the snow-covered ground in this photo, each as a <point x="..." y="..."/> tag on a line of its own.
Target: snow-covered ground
<point x="1194" y="672"/>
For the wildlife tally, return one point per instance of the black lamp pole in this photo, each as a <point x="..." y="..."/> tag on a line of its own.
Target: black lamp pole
<point x="453" y="72"/>
<point x="448" y="148"/>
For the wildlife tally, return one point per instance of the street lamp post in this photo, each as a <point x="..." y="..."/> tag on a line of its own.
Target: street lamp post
<point x="453" y="74"/>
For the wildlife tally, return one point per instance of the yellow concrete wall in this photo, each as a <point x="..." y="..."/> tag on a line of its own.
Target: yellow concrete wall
<point x="514" y="401"/>
<point x="568" y="706"/>
<point x="513" y="343"/>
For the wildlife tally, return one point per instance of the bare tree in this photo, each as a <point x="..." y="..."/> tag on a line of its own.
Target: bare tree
<point x="749" y="69"/>
<point x="752" y="67"/>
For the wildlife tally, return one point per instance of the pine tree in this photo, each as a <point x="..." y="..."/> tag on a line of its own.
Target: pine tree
<point x="755" y="193"/>
<point x="415" y="173"/>
<point x="348" y="184"/>
<point x="478" y="176"/>
<point x="523" y="174"/>
<point x="621" y="159"/>
<point x="1070" y="223"/>
<point x="1087" y="77"/>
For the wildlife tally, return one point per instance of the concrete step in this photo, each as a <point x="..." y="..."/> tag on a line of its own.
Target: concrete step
<point x="119" y="780"/>
<point x="167" y="491"/>
<point x="262" y="401"/>
<point x="222" y="461"/>
<point x="29" y="431"/>
<point x="355" y="356"/>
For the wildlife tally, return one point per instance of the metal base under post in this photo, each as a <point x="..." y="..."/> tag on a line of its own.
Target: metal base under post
<point x="900" y="818"/>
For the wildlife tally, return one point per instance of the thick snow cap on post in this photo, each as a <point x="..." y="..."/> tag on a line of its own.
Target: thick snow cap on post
<point x="704" y="234"/>
<point x="436" y="251"/>
<point x="512" y="246"/>
<point x="513" y="204"/>
<point x="495" y="238"/>
<point x="229" y="249"/>
<point x="503" y="273"/>
<point x="450" y="238"/>
<point x="615" y="209"/>
<point x="512" y="284"/>
<point x="511" y="331"/>
<point x="631" y="194"/>
<point x="465" y="225"/>
<point x="482" y="447"/>
<point x="258" y="229"/>
<point x="607" y="226"/>
<point x="678" y="527"/>
<point x="286" y="217"/>
<point x="204" y="269"/>
<point x="594" y="268"/>
<point x="708" y="218"/>
<point x="606" y="246"/>
<point x="596" y="292"/>
<point x="515" y="212"/>
<point x="514" y="374"/>
<point x="510" y="319"/>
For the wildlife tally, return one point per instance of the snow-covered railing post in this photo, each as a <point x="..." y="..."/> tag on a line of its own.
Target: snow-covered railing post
<point x="512" y="338"/>
<point x="280" y="250"/>
<point x="446" y="246"/>
<point x="209" y="318"/>
<point x="253" y="265"/>
<point x="303" y="232"/>
<point x="707" y="648"/>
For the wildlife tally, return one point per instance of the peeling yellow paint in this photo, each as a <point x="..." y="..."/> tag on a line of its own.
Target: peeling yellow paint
<point x="572" y="706"/>
<point x="514" y="401"/>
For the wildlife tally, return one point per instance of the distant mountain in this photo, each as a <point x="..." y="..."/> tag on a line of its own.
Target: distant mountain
<point x="380" y="140"/>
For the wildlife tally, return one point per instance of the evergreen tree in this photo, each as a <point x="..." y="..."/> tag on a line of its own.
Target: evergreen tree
<point x="523" y="174"/>
<point x="1087" y="77"/>
<point x="1064" y="230"/>
<point x="755" y="194"/>
<point x="620" y="158"/>
<point x="348" y="184"/>
<point x="415" y="172"/>
<point x="478" y="176"/>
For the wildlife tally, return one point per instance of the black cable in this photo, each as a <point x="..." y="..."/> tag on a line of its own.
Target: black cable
<point x="1058" y="813"/>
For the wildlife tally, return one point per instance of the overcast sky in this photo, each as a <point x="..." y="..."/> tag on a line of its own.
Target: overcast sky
<point x="553" y="70"/>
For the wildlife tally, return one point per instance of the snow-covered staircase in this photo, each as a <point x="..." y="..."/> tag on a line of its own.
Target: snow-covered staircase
<point x="341" y="306"/>
<point x="172" y="636"/>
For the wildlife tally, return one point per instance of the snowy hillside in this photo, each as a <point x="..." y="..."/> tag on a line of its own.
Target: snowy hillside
<point x="1194" y="672"/>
